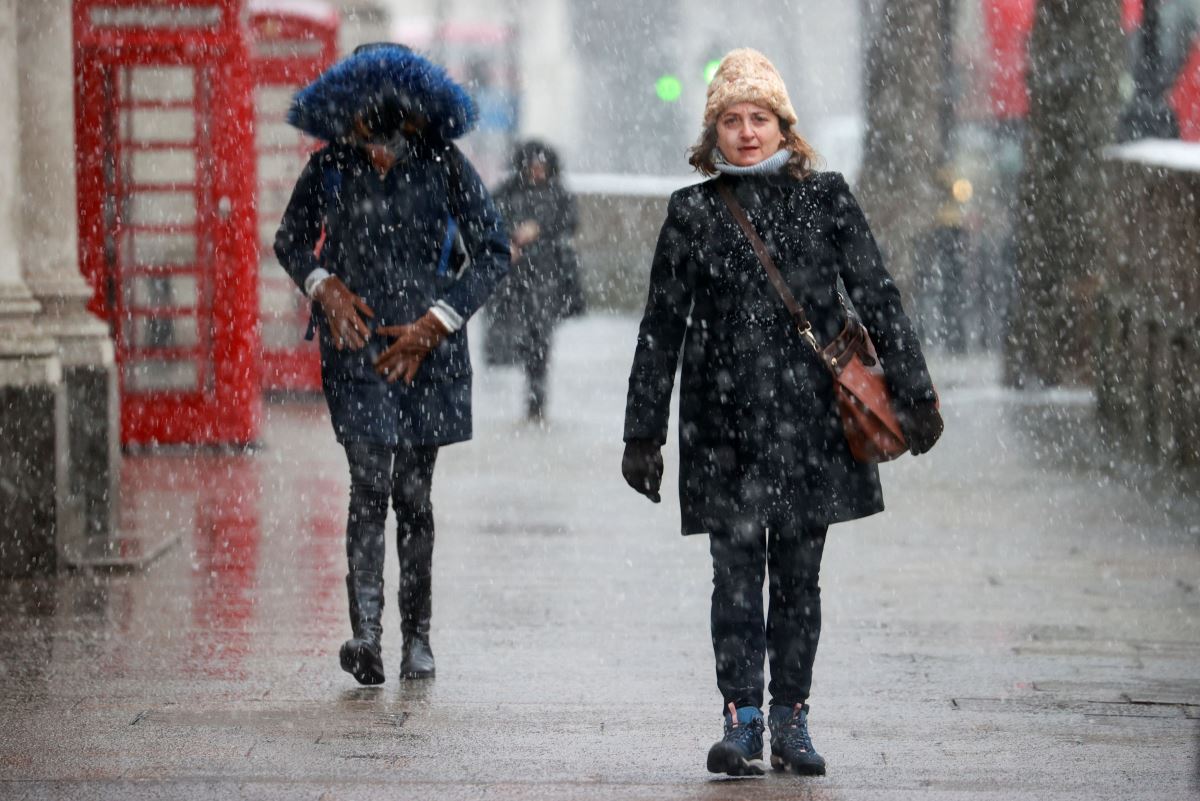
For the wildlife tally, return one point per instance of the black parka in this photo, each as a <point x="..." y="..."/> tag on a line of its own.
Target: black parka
<point x="759" y="434"/>
<point x="543" y="283"/>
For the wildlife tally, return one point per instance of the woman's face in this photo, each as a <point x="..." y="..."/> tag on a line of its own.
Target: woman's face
<point x="537" y="173"/>
<point x="747" y="134"/>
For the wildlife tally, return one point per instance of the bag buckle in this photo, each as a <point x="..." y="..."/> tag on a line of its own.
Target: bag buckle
<point x="807" y="333"/>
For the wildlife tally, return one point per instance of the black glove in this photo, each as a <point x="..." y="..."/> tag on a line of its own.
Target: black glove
<point x="642" y="466"/>
<point x="922" y="425"/>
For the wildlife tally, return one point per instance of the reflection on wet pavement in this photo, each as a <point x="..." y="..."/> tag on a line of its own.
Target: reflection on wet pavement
<point x="1016" y="622"/>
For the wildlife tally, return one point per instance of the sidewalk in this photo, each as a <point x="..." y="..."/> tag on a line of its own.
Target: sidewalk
<point x="1015" y="626"/>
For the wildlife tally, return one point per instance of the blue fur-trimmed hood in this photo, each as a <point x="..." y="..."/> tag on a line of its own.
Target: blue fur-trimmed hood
<point x="327" y="106"/>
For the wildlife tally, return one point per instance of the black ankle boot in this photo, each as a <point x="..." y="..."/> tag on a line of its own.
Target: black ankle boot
<point x="362" y="655"/>
<point x="535" y="403"/>
<point x="416" y="606"/>
<point x="791" y="745"/>
<point x="417" y="661"/>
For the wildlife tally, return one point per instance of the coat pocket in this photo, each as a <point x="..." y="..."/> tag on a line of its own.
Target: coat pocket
<point x="448" y="361"/>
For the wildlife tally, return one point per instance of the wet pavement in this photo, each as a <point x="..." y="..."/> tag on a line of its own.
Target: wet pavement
<point x="1019" y="624"/>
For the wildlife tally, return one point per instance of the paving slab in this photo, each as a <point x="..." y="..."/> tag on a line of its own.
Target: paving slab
<point x="1023" y="622"/>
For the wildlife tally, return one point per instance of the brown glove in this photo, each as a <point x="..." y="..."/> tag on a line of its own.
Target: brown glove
<point x="342" y="307"/>
<point x="413" y="343"/>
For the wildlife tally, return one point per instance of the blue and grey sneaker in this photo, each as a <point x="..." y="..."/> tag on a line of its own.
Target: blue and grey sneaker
<point x="739" y="752"/>
<point x="791" y="747"/>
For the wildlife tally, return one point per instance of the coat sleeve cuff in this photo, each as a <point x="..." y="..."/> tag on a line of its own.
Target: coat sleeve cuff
<point x="447" y="316"/>
<point x="314" y="279"/>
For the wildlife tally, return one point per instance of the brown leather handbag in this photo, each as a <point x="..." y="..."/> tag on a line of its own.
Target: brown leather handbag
<point x="864" y="403"/>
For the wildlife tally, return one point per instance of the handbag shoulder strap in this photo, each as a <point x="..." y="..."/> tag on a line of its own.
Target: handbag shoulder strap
<point x="764" y="257"/>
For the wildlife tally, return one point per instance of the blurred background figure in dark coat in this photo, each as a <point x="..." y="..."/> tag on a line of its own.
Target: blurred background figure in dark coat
<point x="543" y="284"/>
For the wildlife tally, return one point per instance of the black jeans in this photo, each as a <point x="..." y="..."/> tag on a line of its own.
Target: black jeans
<point x="791" y="554"/>
<point x="404" y="475"/>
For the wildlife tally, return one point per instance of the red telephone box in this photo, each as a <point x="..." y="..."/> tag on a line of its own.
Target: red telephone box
<point x="164" y="154"/>
<point x="1008" y="24"/>
<point x="294" y="41"/>
<point x="1185" y="97"/>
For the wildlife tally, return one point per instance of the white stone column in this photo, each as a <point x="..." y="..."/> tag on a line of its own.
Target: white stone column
<point x="49" y="246"/>
<point x="32" y="402"/>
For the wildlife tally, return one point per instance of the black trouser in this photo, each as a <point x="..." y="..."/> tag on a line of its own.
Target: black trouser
<point x="535" y="357"/>
<point x="404" y="474"/>
<point x="791" y="554"/>
<point x="536" y="369"/>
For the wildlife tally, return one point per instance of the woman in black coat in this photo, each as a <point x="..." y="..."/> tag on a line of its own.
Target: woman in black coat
<point x="366" y="235"/>
<point x="543" y="285"/>
<point x="764" y="464"/>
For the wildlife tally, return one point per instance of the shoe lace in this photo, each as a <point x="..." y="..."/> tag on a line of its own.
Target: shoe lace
<point x="794" y="733"/>
<point x="742" y="734"/>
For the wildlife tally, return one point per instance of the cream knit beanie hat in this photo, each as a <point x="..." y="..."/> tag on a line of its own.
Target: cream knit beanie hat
<point x="747" y="76"/>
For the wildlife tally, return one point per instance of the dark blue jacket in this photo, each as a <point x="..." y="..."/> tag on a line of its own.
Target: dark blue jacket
<point x="384" y="234"/>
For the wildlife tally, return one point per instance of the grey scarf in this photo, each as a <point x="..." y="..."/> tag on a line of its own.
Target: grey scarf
<point x="768" y="166"/>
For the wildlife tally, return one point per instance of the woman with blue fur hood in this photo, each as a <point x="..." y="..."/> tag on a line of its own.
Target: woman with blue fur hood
<point x="369" y="235"/>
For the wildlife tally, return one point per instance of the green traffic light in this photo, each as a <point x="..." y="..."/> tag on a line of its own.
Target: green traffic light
<point x="668" y="88"/>
<point x="710" y="70"/>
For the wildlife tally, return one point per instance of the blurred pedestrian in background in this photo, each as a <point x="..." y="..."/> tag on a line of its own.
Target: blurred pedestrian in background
<point x="543" y="287"/>
<point x="764" y="463"/>
<point x="368" y="235"/>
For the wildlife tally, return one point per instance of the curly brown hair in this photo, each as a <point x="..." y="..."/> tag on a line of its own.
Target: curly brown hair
<point x="800" y="165"/>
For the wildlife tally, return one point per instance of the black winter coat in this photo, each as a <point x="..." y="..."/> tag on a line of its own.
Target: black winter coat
<point x="543" y="282"/>
<point x="383" y="236"/>
<point x="759" y="434"/>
